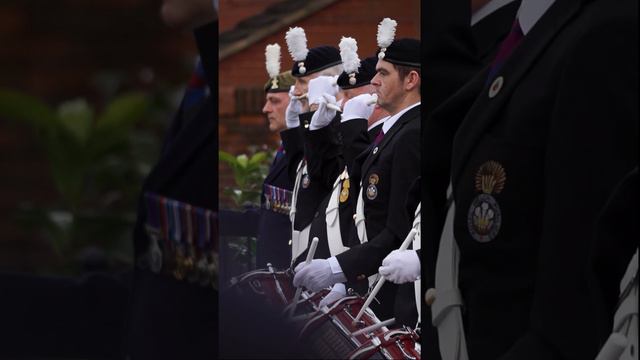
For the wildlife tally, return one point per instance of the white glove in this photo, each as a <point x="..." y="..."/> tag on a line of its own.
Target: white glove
<point x="317" y="275"/>
<point x="401" y="267"/>
<point x="323" y="115"/>
<point x="322" y="85"/>
<point x="294" y="109"/>
<point x="338" y="291"/>
<point x="359" y="107"/>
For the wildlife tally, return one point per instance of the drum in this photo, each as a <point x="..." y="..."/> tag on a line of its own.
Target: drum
<point x="330" y="333"/>
<point x="393" y="344"/>
<point x="273" y="288"/>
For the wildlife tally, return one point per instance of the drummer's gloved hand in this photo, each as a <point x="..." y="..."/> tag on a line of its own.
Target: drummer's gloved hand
<point x="401" y="266"/>
<point x="338" y="291"/>
<point x="294" y="109"/>
<point x="359" y="107"/>
<point x="319" y="274"/>
<point x="324" y="114"/>
<point x="322" y="85"/>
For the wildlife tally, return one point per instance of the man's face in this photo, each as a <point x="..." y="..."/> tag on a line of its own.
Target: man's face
<point x="302" y="83"/>
<point x="302" y="87"/>
<point x="388" y="85"/>
<point x="274" y="108"/>
<point x="351" y="93"/>
<point x="187" y="13"/>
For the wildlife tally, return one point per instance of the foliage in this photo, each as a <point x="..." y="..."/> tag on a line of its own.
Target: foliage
<point x="248" y="174"/>
<point x="97" y="162"/>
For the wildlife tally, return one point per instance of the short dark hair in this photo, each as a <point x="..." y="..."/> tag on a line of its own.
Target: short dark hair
<point x="403" y="70"/>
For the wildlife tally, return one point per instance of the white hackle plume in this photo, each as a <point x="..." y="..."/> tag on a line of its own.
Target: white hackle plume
<point x="386" y="34"/>
<point x="297" y="44"/>
<point x="272" y="56"/>
<point x="350" y="59"/>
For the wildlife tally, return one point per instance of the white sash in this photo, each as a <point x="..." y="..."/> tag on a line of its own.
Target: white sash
<point x="416" y="246"/>
<point x="299" y="239"/>
<point x="446" y="309"/>
<point x="624" y="338"/>
<point x="332" y="217"/>
<point x="360" y="223"/>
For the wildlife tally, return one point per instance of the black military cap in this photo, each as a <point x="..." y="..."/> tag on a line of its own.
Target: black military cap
<point x="404" y="52"/>
<point x="318" y="58"/>
<point x="366" y="72"/>
<point x="281" y="83"/>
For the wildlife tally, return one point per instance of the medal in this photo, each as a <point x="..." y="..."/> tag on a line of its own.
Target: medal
<point x="344" y="193"/>
<point x="372" y="190"/>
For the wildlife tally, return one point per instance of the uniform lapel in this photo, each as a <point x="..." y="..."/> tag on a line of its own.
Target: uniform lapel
<point x="278" y="167"/>
<point x="485" y="110"/>
<point x="199" y="124"/>
<point x="404" y="119"/>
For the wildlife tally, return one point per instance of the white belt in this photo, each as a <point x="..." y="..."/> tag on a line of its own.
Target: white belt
<point x="332" y="217"/>
<point x="446" y="309"/>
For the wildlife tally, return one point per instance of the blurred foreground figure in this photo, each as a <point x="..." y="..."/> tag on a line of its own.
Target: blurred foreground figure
<point x="549" y="128"/>
<point x="166" y="307"/>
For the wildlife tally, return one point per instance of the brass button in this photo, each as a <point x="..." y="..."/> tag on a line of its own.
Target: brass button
<point x="496" y="86"/>
<point x="430" y="296"/>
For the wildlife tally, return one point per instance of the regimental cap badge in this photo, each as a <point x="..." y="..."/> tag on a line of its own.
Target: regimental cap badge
<point x="386" y="34"/>
<point x="484" y="217"/>
<point x="490" y="178"/>
<point x="297" y="45"/>
<point x="350" y="60"/>
<point x="272" y="62"/>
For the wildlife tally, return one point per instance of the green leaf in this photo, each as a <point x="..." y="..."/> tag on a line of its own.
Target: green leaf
<point x="112" y="128"/>
<point x="227" y="158"/>
<point x="123" y="112"/>
<point x="24" y="108"/>
<point x="76" y="117"/>
<point x="258" y="158"/>
<point x="243" y="160"/>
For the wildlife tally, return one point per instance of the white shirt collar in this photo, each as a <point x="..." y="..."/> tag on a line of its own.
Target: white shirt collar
<point x="487" y="9"/>
<point x="393" y="118"/>
<point x="377" y="123"/>
<point x="531" y="11"/>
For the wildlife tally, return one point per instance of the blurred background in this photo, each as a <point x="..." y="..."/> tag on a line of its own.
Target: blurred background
<point x="86" y="92"/>
<point x="246" y="27"/>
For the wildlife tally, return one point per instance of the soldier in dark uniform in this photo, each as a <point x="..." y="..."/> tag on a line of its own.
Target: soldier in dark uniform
<point x="533" y="163"/>
<point x="360" y="122"/>
<point x="462" y="38"/>
<point x="166" y="308"/>
<point x="274" y="226"/>
<point x="316" y="62"/>
<point x="388" y="169"/>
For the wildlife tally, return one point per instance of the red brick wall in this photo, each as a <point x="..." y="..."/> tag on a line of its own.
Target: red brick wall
<point x="234" y="11"/>
<point x="355" y="18"/>
<point x="53" y="50"/>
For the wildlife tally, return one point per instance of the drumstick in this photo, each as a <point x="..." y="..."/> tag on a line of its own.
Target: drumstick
<point x="376" y="289"/>
<point x="310" y="253"/>
<point x="303" y="96"/>
<point x="334" y="107"/>
<point x="373" y="327"/>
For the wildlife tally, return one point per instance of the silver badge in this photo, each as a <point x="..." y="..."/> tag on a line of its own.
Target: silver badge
<point x="372" y="192"/>
<point x="484" y="218"/>
<point x="306" y="180"/>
